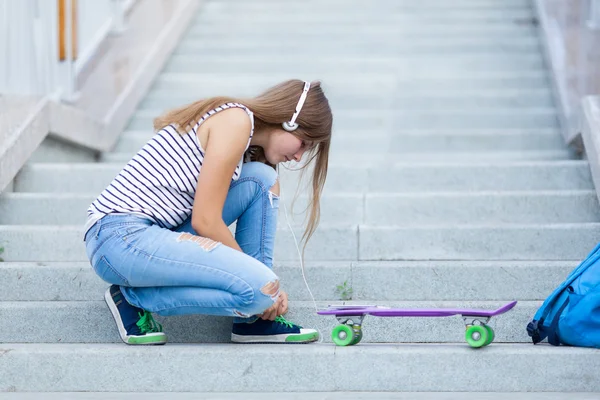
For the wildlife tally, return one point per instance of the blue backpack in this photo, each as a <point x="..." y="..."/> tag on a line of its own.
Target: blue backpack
<point x="571" y="314"/>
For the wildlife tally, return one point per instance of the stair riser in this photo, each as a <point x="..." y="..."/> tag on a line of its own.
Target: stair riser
<point x="442" y="210"/>
<point x="365" y="85"/>
<point x="59" y="210"/>
<point x="55" y="150"/>
<point x="476" y="100"/>
<point x="359" y="47"/>
<point x="347" y="30"/>
<point x="378" y="120"/>
<point x="91" y="322"/>
<point x="429" y="6"/>
<point x="397" y="65"/>
<point x="436" y="368"/>
<point x="442" y="103"/>
<point x="329" y="12"/>
<point x="55" y="243"/>
<point x="529" y="242"/>
<point x="374" y="209"/>
<point x="425" y="281"/>
<point x="184" y="89"/>
<point x="518" y="243"/>
<point x="344" y="141"/>
<point x="349" y="178"/>
<point x="457" y="158"/>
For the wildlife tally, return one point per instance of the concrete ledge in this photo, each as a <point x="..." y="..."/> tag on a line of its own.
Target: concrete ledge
<point x="117" y="116"/>
<point x="591" y="136"/>
<point x="24" y="123"/>
<point x="554" y="53"/>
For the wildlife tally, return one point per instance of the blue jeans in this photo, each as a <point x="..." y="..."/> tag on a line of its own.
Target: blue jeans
<point x="176" y="272"/>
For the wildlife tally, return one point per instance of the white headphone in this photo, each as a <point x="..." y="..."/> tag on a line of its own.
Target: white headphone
<point x="291" y="125"/>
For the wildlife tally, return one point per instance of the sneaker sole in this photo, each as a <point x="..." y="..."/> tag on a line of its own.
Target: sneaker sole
<point x="148" y="339"/>
<point x="289" y="339"/>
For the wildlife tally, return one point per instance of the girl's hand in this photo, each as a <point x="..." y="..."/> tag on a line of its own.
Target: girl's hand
<point x="280" y="307"/>
<point x="283" y="305"/>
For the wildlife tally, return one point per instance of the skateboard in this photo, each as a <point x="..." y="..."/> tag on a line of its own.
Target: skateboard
<point x="349" y="332"/>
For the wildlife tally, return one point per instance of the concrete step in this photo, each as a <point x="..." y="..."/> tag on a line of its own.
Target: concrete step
<point x="400" y="4"/>
<point x="265" y="16"/>
<point x="436" y="101"/>
<point x="416" y="158"/>
<point x="399" y="65"/>
<point x="515" y="29"/>
<point x="364" y="281"/>
<point x="355" y="46"/>
<point x="349" y="177"/>
<point x="405" y="209"/>
<point x="394" y="120"/>
<point x="92" y="322"/>
<point x="433" y="6"/>
<point x="422" y="367"/>
<point x="364" y="84"/>
<point x="329" y="12"/>
<point x="420" y="209"/>
<point x="505" y="242"/>
<point x="300" y="395"/>
<point x="56" y="150"/>
<point x="245" y="83"/>
<point x="57" y="208"/>
<point x="161" y="98"/>
<point x="357" y="243"/>
<point x="410" y="141"/>
<point x="65" y="243"/>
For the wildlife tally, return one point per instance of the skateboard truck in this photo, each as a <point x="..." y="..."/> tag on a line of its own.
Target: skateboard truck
<point x="474" y="320"/>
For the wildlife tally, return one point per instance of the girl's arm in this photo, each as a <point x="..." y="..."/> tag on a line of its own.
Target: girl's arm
<point x="228" y="132"/>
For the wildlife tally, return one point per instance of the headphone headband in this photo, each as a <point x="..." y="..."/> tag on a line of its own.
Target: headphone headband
<point x="291" y="125"/>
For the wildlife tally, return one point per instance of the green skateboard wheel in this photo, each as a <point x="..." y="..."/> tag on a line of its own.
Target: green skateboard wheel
<point x="490" y="334"/>
<point x="342" y="335"/>
<point x="476" y="336"/>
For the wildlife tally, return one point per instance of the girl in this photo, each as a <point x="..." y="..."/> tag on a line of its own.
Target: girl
<point x="159" y="232"/>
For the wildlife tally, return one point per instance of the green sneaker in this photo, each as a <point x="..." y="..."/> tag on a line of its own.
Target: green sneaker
<point x="136" y="326"/>
<point x="278" y="331"/>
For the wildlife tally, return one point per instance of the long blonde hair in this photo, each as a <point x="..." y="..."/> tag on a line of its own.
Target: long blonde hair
<point x="271" y="108"/>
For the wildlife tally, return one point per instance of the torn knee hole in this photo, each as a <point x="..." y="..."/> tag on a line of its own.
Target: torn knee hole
<point x="274" y="193"/>
<point x="271" y="289"/>
<point x="275" y="188"/>
<point x="205" y="243"/>
<point x="241" y="314"/>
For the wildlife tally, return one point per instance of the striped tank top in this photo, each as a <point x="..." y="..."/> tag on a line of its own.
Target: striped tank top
<point x="159" y="182"/>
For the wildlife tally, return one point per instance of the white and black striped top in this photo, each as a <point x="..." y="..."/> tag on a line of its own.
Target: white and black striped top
<point x="159" y="182"/>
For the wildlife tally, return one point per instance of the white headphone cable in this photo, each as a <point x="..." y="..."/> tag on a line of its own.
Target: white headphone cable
<point x="299" y="252"/>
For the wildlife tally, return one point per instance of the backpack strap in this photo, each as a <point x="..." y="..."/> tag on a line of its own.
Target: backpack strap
<point x="553" y="338"/>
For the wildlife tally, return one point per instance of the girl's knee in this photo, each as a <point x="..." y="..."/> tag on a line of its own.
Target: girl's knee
<point x="265" y="295"/>
<point x="262" y="173"/>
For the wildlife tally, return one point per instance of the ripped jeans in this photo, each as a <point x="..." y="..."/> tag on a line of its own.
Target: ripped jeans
<point x="176" y="272"/>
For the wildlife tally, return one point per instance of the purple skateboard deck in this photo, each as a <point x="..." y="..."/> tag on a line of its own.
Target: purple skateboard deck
<point x="412" y="312"/>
